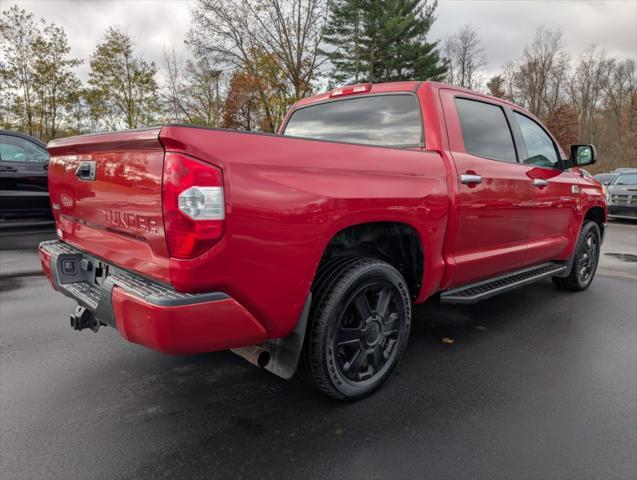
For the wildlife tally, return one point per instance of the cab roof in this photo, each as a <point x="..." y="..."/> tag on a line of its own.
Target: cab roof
<point x="409" y="86"/>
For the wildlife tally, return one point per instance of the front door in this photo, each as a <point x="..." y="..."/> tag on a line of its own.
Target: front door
<point x="494" y="194"/>
<point x="556" y="192"/>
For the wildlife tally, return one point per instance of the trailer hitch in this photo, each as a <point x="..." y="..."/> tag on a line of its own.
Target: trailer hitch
<point x="83" y="318"/>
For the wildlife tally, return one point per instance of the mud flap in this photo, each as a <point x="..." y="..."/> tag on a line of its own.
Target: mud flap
<point x="280" y="356"/>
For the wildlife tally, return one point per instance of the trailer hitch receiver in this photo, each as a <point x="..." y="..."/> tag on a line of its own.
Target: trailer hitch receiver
<point x="83" y="318"/>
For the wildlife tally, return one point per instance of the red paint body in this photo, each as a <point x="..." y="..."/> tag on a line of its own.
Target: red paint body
<point x="287" y="197"/>
<point x="185" y="329"/>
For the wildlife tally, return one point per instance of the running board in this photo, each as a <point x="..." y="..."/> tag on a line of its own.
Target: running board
<point x="490" y="287"/>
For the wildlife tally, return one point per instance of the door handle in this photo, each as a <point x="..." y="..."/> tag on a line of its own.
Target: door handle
<point x="539" y="182"/>
<point x="470" y="178"/>
<point x="86" y="170"/>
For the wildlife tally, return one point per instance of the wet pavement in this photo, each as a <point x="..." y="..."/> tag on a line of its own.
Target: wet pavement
<point x="538" y="383"/>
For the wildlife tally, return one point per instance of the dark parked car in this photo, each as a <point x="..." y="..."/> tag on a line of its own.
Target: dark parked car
<point x="24" y="164"/>
<point x="622" y="196"/>
<point x="605" y="178"/>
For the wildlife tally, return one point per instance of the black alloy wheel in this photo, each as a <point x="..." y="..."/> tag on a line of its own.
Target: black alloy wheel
<point x="358" y="327"/>
<point x="585" y="260"/>
<point x="368" y="331"/>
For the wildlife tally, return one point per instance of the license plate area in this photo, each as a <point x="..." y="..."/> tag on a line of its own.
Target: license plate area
<point x="77" y="267"/>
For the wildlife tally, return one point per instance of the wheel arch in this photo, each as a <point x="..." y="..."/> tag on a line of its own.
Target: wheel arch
<point x="395" y="242"/>
<point x="597" y="215"/>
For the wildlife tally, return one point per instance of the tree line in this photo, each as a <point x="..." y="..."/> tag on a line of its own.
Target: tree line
<point x="249" y="60"/>
<point x="590" y="98"/>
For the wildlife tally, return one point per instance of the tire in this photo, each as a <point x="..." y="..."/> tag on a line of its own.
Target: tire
<point x="358" y="327"/>
<point x="586" y="259"/>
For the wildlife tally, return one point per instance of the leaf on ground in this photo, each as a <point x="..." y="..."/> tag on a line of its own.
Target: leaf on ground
<point x="448" y="340"/>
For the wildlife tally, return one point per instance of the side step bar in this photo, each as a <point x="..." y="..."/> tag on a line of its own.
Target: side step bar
<point x="474" y="292"/>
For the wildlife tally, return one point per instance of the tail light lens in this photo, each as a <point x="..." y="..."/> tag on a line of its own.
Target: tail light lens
<point x="193" y="205"/>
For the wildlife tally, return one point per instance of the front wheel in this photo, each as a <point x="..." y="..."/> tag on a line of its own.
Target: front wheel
<point x="358" y="327"/>
<point x="586" y="260"/>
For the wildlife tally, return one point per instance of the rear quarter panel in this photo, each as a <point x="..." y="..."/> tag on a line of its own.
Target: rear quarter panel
<point x="287" y="197"/>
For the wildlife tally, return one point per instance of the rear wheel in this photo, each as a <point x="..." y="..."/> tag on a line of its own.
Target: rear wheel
<point x="586" y="260"/>
<point x="358" y="327"/>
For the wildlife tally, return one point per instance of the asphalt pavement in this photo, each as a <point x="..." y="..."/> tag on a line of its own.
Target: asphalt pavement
<point x="538" y="383"/>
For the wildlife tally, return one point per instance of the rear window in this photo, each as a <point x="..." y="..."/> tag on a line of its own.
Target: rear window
<point x="485" y="130"/>
<point x="387" y="120"/>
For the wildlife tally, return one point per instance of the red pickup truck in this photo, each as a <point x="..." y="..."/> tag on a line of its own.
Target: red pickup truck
<point x="305" y="250"/>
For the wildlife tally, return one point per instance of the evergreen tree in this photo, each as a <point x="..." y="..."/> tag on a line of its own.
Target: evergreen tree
<point x="344" y="33"/>
<point x="382" y="40"/>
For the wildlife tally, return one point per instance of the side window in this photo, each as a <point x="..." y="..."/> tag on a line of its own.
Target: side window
<point x="16" y="149"/>
<point x="540" y="147"/>
<point x="485" y="130"/>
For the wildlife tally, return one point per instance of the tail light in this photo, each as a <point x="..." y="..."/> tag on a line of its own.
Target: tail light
<point x="193" y="205"/>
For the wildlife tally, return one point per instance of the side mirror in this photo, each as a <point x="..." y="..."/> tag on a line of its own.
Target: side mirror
<point x="583" y="155"/>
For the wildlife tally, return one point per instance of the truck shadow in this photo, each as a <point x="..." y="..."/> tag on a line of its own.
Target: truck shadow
<point x="460" y="360"/>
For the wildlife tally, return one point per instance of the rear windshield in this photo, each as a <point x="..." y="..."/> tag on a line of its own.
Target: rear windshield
<point x="387" y="120"/>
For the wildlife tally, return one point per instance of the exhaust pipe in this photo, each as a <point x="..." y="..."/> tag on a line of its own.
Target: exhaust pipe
<point x="254" y="354"/>
<point x="83" y="318"/>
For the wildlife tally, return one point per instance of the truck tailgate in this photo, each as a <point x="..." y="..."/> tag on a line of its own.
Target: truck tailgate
<point x="106" y="194"/>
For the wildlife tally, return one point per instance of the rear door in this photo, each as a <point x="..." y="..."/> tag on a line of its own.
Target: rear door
<point x="555" y="191"/>
<point x="494" y="194"/>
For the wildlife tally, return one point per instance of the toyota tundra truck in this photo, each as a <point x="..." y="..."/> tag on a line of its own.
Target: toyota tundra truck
<point x="304" y="251"/>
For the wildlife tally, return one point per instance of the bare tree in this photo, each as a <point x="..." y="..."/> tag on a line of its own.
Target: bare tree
<point x="203" y="85"/>
<point x="619" y="92"/>
<point x="237" y="34"/>
<point x="466" y="57"/>
<point x="293" y="28"/>
<point x="508" y="81"/>
<point x="171" y="93"/>
<point x="614" y="123"/>
<point x="585" y="89"/>
<point x="191" y="91"/>
<point x="541" y="73"/>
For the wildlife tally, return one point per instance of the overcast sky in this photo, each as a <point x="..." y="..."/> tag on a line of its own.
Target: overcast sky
<point x="505" y="26"/>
